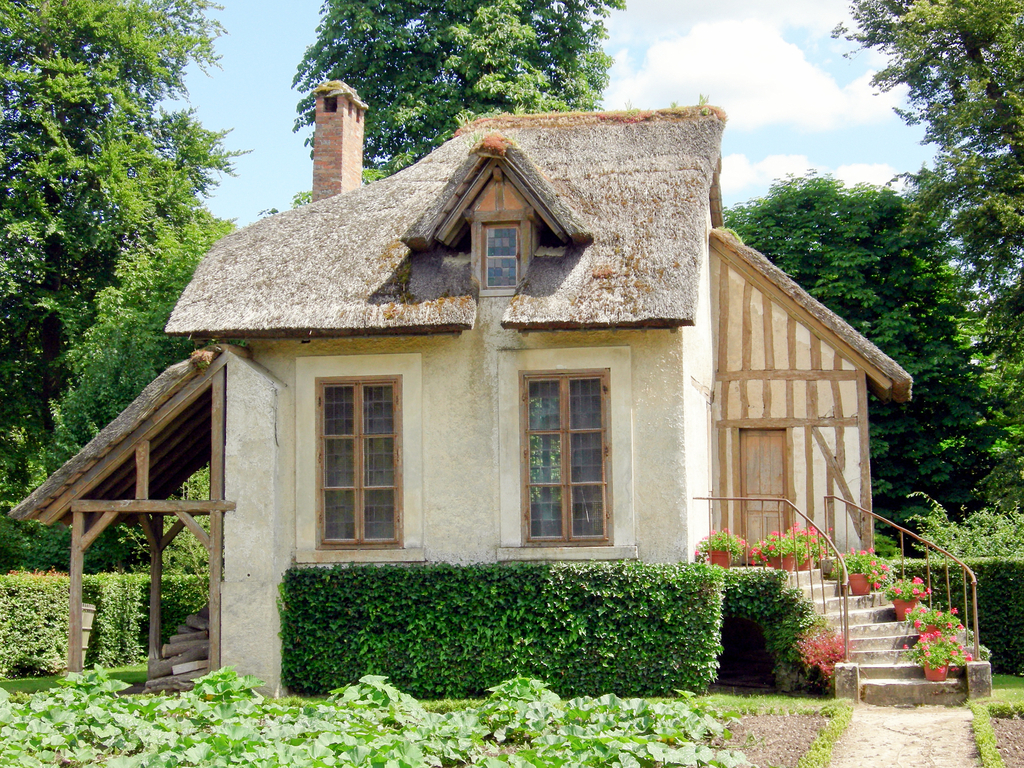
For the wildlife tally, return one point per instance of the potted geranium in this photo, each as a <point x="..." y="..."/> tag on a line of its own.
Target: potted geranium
<point x="931" y="620"/>
<point x="796" y="549"/>
<point x="904" y="595"/>
<point x="937" y="653"/>
<point x="720" y="548"/>
<point x="867" y="571"/>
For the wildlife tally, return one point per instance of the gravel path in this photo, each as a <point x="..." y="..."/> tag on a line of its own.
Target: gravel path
<point x="897" y="737"/>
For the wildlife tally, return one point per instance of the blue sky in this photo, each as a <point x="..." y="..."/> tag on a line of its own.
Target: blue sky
<point x="795" y="100"/>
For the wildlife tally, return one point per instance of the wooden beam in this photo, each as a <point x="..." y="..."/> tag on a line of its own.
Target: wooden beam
<point x="75" y="654"/>
<point x="217" y="436"/>
<point x="850" y="421"/>
<point x="786" y="375"/>
<point x="156" y="574"/>
<point x="142" y="470"/>
<point x="100" y="525"/>
<point x="168" y="537"/>
<point x="192" y="525"/>
<point x="152" y="506"/>
<point x="215" y="548"/>
<point x="148" y="524"/>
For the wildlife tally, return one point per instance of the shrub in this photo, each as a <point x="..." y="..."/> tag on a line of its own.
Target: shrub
<point x="455" y="631"/>
<point x="820" y="649"/>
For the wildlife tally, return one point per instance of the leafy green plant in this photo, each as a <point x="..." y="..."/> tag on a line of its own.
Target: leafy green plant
<point x="907" y="589"/>
<point x="933" y="649"/>
<point x="946" y="622"/>
<point x="802" y="543"/>
<point x="866" y="562"/>
<point x="721" y="541"/>
<point x="821" y="648"/>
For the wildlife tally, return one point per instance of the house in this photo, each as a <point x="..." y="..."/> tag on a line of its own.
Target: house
<point x="534" y="344"/>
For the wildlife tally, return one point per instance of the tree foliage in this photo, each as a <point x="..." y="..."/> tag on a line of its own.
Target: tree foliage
<point x="421" y="65"/>
<point x="963" y="64"/>
<point x="864" y="255"/>
<point x="99" y="181"/>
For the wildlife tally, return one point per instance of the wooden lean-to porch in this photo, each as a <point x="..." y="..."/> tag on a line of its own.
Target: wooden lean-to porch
<point x="132" y="474"/>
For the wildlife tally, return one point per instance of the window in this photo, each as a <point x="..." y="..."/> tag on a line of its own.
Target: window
<point x="566" y="457"/>
<point x="359" y="461"/>
<point x="502" y="257"/>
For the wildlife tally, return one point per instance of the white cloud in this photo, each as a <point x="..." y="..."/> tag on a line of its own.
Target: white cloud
<point x="646" y="20"/>
<point x="739" y="174"/>
<point x="878" y="174"/>
<point x="747" y="68"/>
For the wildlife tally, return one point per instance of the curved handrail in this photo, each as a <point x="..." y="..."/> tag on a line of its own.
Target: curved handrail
<point x="927" y="564"/>
<point x="844" y="584"/>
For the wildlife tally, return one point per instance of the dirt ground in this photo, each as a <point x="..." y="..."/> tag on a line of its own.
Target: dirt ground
<point x="1010" y="740"/>
<point x="776" y="740"/>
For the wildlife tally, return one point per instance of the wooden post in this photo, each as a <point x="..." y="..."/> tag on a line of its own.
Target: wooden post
<point x="142" y="470"/>
<point x="216" y="557"/>
<point x="155" y="525"/>
<point x="217" y="414"/>
<point x="75" y="659"/>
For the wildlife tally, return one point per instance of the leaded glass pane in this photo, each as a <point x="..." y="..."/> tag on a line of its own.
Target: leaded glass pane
<point x="379" y="461"/>
<point x="586" y="464"/>
<point x="339" y="515"/>
<point x="587" y="510"/>
<point x="338" y="403"/>
<point x="502" y="250"/>
<point x="378" y="410"/>
<point x="545" y="458"/>
<point x="546" y="512"/>
<point x="379" y="508"/>
<point x="544" y="405"/>
<point x="584" y="403"/>
<point x="339" y="462"/>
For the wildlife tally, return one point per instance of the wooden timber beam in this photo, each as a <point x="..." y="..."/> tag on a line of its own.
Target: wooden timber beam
<point x="152" y="506"/>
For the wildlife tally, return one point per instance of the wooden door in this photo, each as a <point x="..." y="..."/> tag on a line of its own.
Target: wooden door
<point x="763" y="473"/>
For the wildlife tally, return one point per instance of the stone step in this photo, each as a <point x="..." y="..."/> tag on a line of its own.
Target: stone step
<point x="891" y="656"/>
<point x="889" y="693"/>
<point x="882" y="629"/>
<point x="802" y="579"/>
<point x="901" y="671"/>
<point x="833" y="605"/>
<point x="875" y="615"/>
<point x="882" y="642"/>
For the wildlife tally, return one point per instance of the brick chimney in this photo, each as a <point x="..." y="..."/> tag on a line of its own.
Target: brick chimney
<point x="337" y="140"/>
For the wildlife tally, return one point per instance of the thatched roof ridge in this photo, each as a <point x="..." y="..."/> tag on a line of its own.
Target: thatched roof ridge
<point x="901" y="381"/>
<point x="577" y="119"/>
<point x="141" y="408"/>
<point x="637" y="183"/>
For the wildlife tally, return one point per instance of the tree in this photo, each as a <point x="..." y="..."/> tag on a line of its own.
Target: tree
<point x="95" y="174"/>
<point x="863" y="254"/>
<point x="421" y="65"/>
<point x="963" y="63"/>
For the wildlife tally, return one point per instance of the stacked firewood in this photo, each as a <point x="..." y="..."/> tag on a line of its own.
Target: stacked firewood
<point x="184" y="657"/>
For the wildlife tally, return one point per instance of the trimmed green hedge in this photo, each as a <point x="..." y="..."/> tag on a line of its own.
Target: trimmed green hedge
<point x="34" y="618"/>
<point x="453" y="631"/>
<point x="1000" y="604"/>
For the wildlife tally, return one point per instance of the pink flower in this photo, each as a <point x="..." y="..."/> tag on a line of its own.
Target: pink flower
<point x="953" y="611"/>
<point x="970" y="657"/>
<point x="918" y="580"/>
<point x="917" y="623"/>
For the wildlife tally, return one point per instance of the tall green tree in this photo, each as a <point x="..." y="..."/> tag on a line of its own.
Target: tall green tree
<point x="420" y="65"/>
<point x="96" y="172"/>
<point x="865" y="255"/>
<point x="963" y="66"/>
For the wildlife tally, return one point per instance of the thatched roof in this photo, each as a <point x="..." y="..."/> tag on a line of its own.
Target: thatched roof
<point x="885" y="376"/>
<point x="159" y="391"/>
<point x="639" y="184"/>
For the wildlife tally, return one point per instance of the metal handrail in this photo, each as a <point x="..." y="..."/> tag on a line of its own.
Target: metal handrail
<point x="844" y="584"/>
<point x="927" y="564"/>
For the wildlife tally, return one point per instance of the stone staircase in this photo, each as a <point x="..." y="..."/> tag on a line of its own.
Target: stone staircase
<point x="879" y="672"/>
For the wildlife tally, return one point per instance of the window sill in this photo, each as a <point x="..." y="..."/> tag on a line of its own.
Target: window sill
<point x="412" y="555"/>
<point x="566" y="553"/>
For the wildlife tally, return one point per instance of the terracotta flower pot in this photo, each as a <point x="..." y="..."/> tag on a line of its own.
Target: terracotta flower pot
<point x="789" y="561"/>
<point x="902" y="608"/>
<point x="936" y="675"/>
<point x="859" y="584"/>
<point x="930" y="629"/>
<point x="775" y="562"/>
<point x="720" y="557"/>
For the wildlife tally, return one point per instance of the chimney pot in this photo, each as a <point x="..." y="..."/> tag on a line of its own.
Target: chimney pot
<point x="337" y="140"/>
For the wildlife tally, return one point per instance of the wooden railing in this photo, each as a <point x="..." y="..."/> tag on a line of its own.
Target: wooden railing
<point x="929" y="547"/>
<point x="784" y="529"/>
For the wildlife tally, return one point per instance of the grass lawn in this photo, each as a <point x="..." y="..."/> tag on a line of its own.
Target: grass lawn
<point x="132" y="675"/>
<point x="1008" y="688"/>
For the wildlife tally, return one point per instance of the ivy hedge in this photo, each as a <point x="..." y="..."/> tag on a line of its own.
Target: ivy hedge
<point x="1000" y="604"/>
<point x="34" y="617"/>
<point x="453" y="631"/>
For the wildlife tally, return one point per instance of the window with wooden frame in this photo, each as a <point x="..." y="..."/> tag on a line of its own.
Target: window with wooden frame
<point x="359" y="461"/>
<point x="566" y="457"/>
